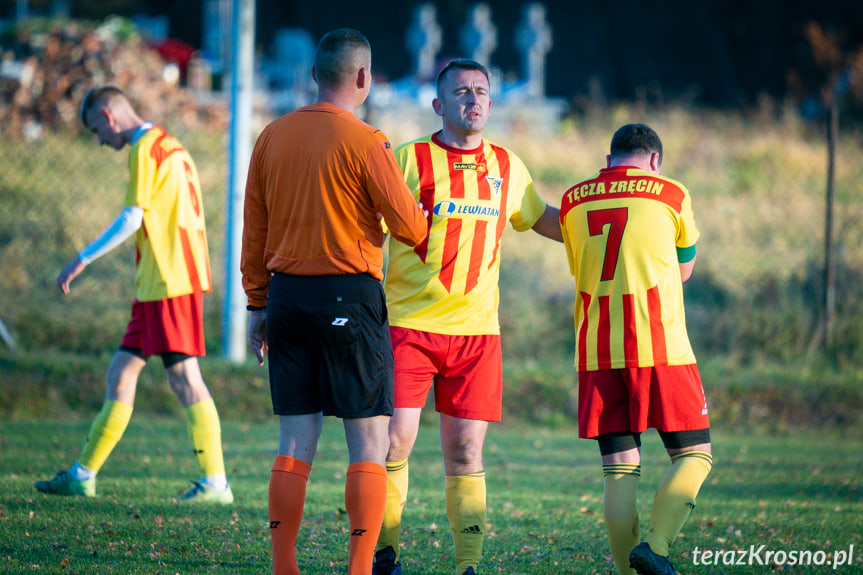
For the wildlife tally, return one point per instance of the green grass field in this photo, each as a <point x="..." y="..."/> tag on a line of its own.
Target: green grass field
<point x="798" y="491"/>
<point x="788" y="412"/>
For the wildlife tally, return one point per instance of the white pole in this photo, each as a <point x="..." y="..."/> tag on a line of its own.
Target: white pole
<point x="235" y="318"/>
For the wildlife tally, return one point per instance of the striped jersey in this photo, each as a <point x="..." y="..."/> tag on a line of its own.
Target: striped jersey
<point x="172" y="258"/>
<point x="448" y="284"/>
<point x="622" y="229"/>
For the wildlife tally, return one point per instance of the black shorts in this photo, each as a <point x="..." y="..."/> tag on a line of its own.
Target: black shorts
<point x="329" y="346"/>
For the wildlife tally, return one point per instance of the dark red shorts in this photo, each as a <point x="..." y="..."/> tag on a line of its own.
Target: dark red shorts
<point x="667" y="398"/>
<point x="175" y="324"/>
<point x="464" y="369"/>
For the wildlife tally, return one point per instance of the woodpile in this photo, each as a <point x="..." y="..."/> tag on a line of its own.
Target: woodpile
<point x="43" y="78"/>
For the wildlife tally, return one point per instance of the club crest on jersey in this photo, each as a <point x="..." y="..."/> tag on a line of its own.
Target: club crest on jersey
<point x="495" y="184"/>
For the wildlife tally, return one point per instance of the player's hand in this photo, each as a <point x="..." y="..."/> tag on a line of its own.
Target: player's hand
<point x="425" y="211"/>
<point x="71" y="270"/>
<point x="258" y="334"/>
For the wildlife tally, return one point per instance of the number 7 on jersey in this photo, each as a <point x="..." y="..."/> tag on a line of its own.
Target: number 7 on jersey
<point x="616" y="219"/>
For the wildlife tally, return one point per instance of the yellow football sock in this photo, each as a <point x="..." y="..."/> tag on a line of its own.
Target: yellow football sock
<point x="621" y="516"/>
<point x="397" y="496"/>
<point x="206" y="434"/>
<point x="675" y="498"/>
<point x="466" y="511"/>
<point x="105" y="431"/>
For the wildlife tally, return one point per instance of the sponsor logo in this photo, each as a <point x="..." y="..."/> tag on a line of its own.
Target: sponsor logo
<point x="472" y="530"/>
<point x="448" y="208"/>
<point x="340" y="321"/>
<point x="274" y="524"/>
<point x="358" y="532"/>
<point x="444" y="209"/>
<point x="464" y="166"/>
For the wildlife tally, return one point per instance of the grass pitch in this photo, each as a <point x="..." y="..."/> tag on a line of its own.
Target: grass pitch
<point x="796" y="491"/>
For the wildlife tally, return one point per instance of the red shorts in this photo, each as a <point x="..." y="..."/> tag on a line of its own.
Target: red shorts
<point x="175" y="324"/>
<point x="667" y="398"/>
<point x="465" y="370"/>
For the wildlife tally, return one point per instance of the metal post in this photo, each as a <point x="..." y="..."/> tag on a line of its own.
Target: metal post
<point x="829" y="263"/>
<point x="242" y="88"/>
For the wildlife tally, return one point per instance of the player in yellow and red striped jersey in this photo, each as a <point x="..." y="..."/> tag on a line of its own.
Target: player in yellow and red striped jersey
<point x="163" y="208"/>
<point x="442" y="297"/>
<point x="630" y="238"/>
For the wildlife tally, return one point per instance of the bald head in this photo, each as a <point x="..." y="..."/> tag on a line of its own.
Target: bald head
<point x="339" y="56"/>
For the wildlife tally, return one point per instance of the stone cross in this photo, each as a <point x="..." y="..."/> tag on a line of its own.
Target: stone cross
<point x="533" y="39"/>
<point x="479" y="34"/>
<point x="424" y="40"/>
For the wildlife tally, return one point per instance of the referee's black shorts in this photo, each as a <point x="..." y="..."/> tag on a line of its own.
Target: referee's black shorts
<point x="329" y="346"/>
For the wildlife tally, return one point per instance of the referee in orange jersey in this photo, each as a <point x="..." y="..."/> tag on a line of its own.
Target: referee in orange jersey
<point x="319" y="181"/>
<point x="630" y="237"/>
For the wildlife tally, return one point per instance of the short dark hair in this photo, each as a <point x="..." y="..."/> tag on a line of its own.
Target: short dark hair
<point x="460" y="64"/>
<point x="633" y="138"/>
<point x="340" y="53"/>
<point x="98" y="96"/>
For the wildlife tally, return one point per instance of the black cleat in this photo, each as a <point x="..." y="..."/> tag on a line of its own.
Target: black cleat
<point x="385" y="562"/>
<point x="646" y="562"/>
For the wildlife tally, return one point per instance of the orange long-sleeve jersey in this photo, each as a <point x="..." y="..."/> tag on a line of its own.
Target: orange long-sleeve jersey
<point x="319" y="180"/>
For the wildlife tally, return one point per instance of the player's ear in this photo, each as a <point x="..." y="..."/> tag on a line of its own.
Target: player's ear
<point x="314" y="74"/>
<point x="108" y="115"/>
<point x="364" y="78"/>
<point x="438" y="107"/>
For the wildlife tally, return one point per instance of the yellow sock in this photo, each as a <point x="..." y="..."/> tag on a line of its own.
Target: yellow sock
<point x="466" y="511"/>
<point x="675" y="498"/>
<point x="621" y="515"/>
<point x="397" y="496"/>
<point x="206" y="434"/>
<point x="105" y="431"/>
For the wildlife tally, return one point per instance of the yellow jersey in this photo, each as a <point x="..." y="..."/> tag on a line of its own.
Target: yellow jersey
<point x="622" y="229"/>
<point x="172" y="257"/>
<point x="448" y="284"/>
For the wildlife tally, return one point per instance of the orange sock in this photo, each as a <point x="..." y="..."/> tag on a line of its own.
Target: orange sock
<point x="287" y="495"/>
<point x="365" y="497"/>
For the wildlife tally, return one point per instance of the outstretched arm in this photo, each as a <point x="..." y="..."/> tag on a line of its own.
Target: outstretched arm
<point x="548" y="224"/>
<point x="126" y="224"/>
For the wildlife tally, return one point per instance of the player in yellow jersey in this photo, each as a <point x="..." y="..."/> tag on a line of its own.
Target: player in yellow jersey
<point x="630" y="237"/>
<point x="163" y="209"/>
<point x="442" y="297"/>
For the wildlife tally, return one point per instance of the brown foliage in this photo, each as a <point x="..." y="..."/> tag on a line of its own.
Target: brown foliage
<point x="44" y="78"/>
